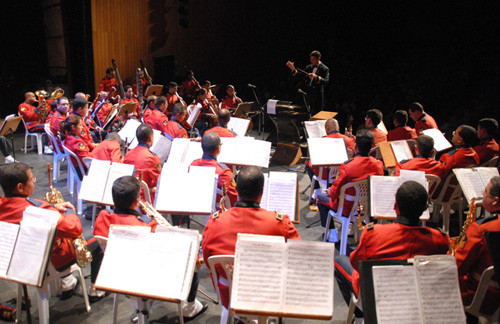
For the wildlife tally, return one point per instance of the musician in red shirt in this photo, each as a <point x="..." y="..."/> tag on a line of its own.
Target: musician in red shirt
<point x="81" y="109"/>
<point x="221" y="129"/>
<point x="70" y="131"/>
<point x="174" y="128"/>
<point x="173" y="97"/>
<point x="488" y="147"/>
<point x="422" y="120"/>
<point x="372" y="119"/>
<point x="401" y="131"/>
<point x="189" y="86"/>
<point x="107" y="83"/>
<point x="59" y="116"/>
<point x="129" y="93"/>
<point x="30" y="113"/>
<point x="230" y="101"/>
<point x="144" y="81"/>
<point x="109" y="149"/>
<point x="157" y="119"/>
<point x="150" y="106"/>
<point x="423" y="161"/>
<point x="104" y="109"/>
<point x="207" y="85"/>
<point x="463" y="155"/>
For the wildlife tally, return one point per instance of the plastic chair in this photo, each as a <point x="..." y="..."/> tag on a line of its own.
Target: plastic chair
<point x="59" y="154"/>
<point x="226" y="263"/>
<point x="375" y="152"/>
<point x="353" y="303"/>
<point x="38" y="137"/>
<point x="450" y="194"/>
<point x="477" y="301"/>
<point x="73" y="177"/>
<point x="433" y="182"/>
<point x="361" y="188"/>
<point x="493" y="162"/>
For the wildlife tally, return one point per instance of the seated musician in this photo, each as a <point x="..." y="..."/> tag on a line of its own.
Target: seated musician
<point x="157" y="118"/>
<point x="144" y="82"/>
<point x="172" y="96"/>
<point x="358" y="168"/>
<point x="206" y="116"/>
<point x="105" y="107"/>
<point x="400" y="240"/>
<point x="53" y="110"/>
<point x="81" y="109"/>
<point x="150" y="106"/>
<point x="373" y="117"/>
<point x="221" y="128"/>
<point x="219" y="236"/>
<point x="174" y="128"/>
<point x="401" y="131"/>
<point x="230" y="101"/>
<point x="59" y="116"/>
<point x="144" y="161"/>
<point x="7" y="149"/>
<point x="207" y="86"/>
<point x="109" y="149"/>
<point x="189" y="85"/>
<point x="126" y="199"/>
<point x="473" y="258"/>
<point x="18" y="184"/>
<point x="488" y="148"/>
<point x="422" y="120"/>
<point x="463" y="155"/>
<point x="423" y="160"/>
<point x="211" y="144"/>
<point x="70" y="131"/>
<point x="129" y="97"/>
<point x="29" y="113"/>
<point x="109" y="81"/>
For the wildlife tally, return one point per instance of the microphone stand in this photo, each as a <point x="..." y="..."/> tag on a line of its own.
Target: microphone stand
<point x="306" y="102"/>
<point x="260" y="110"/>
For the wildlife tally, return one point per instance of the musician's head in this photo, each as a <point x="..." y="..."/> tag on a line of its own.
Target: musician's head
<point x="200" y="94"/>
<point x="17" y="179"/>
<point x="110" y="73"/>
<point x="113" y="136"/>
<point x="400" y="118"/>
<point x="125" y="192"/>
<point x="486" y="128"/>
<point x="315" y="57"/>
<point x="250" y="184"/>
<point x="206" y="84"/>
<point x="411" y="202"/>
<point x="53" y="105"/>
<point x="331" y="125"/>
<point x="161" y="103"/>
<point x="80" y="95"/>
<point x="491" y="195"/>
<point x="425" y="146"/>
<point x="364" y="141"/>
<point x="81" y="106"/>
<point x="30" y="98"/>
<point x="465" y="136"/>
<point x="224" y="116"/>
<point x="230" y="90"/>
<point x="144" y="134"/>
<point x="179" y="112"/>
<point x="172" y="88"/>
<point x="416" y="110"/>
<point x="151" y="101"/>
<point x="129" y="92"/>
<point x="102" y="95"/>
<point x="210" y="143"/>
<point x="63" y="105"/>
<point x="71" y="125"/>
<point x="190" y="75"/>
<point x="373" y="117"/>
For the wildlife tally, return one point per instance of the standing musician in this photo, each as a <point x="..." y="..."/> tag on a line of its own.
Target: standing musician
<point x="18" y="184"/>
<point x="318" y="77"/>
<point x="81" y="109"/>
<point x="150" y="106"/>
<point x="401" y="131"/>
<point x="230" y="101"/>
<point x="157" y="119"/>
<point x="422" y="120"/>
<point x="29" y="113"/>
<point x="105" y="107"/>
<point x="70" y="131"/>
<point x="109" y="81"/>
<point x="109" y="149"/>
<point x="173" y="97"/>
<point x="221" y="129"/>
<point x="488" y="148"/>
<point x="174" y="127"/>
<point x="189" y="86"/>
<point x="129" y="97"/>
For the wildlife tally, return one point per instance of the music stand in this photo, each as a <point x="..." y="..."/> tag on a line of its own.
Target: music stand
<point x="9" y="126"/>
<point x="242" y="109"/>
<point x="127" y="108"/>
<point x="154" y="90"/>
<point x="324" y="115"/>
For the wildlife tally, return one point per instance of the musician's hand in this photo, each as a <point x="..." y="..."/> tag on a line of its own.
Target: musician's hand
<point x="290" y="65"/>
<point x="198" y="139"/>
<point x="313" y="76"/>
<point x="63" y="207"/>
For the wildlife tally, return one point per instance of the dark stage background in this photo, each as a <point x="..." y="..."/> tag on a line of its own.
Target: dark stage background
<point x="382" y="54"/>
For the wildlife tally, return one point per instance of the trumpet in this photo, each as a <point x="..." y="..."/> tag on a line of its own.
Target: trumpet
<point x="153" y="213"/>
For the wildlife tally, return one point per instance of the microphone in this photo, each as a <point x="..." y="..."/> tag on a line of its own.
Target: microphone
<point x="301" y="91"/>
<point x="251" y="86"/>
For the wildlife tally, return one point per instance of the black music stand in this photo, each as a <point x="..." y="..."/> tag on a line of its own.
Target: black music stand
<point x="306" y="102"/>
<point x="9" y="126"/>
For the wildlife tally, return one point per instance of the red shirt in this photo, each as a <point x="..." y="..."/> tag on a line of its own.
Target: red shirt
<point x="459" y="158"/>
<point x="77" y="145"/>
<point x="29" y="115"/>
<point x="221" y="131"/>
<point x="144" y="82"/>
<point x="103" y="112"/>
<point x="188" y="87"/>
<point x="56" y="119"/>
<point x="107" y="151"/>
<point x="107" y="84"/>
<point x="175" y="130"/>
<point x="425" y="122"/>
<point x="157" y="120"/>
<point x="401" y="133"/>
<point x="429" y="166"/>
<point x="229" y="102"/>
<point x="172" y="99"/>
<point x="86" y="136"/>
<point x="487" y="150"/>
<point x="68" y="226"/>
<point x="145" y="162"/>
<point x="349" y="141"/>
<point x="379" y="136"/>
<point x="137" y="109"/>
<point x="128" y="217"/>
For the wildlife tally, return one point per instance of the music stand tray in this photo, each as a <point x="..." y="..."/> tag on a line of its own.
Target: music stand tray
<point x="9" y="127"/>
<point x="153" y="90"/>
<point x="243" y="108"/>
<point x="324" y="115"/>
<point x="127" y="108"/>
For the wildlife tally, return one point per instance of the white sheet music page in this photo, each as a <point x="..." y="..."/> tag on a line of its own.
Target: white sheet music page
<point x="117" y="170"/>
<point x="194" y="114"/>
<point x="128" y="131"/>
<point x="471" y="183"/>
<point x="8" y="237"/>
<point x="282" y="193"/>
<point x="263" y="201"/>
<point x="486" y="174"/>
<point x="315" y="128"/>
<point x="258" y="278"/>
<point x="401" y="150"/>
<point x="382" y="195"/>
<point x="93" y="184"/>
<point x="440" y="142"/>
<point x="327" y="151"/>
<point x="309" y="280"/>
<point x="419" y="177"/>
<point x="194" y="152"/>
<point x="178" y="150"/>
<point x="437" y="278"/>
<point x="238" y="125"/>
<point x="396" y="295"/>
<point x="271" y="106"/>
<point x="243" y="150"/>
<point x="161" y="145"/>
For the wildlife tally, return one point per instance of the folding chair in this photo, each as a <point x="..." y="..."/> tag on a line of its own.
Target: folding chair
<point x="59" y="154"/>
<point x="73" y="177"/>
<point x="433" y="182"/>
<point x="38" y="137"/>
<point x="226" y="263"/>
<point x="477" y="301"/>
<point x="450" y="194"/>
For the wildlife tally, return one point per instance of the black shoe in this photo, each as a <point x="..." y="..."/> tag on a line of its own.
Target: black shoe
<point x="69" y="293"/>
<point x="94" y="299"/>
<point x="202" y="310"/>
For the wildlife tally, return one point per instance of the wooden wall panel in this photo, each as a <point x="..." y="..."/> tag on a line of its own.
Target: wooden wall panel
<point x="120" y="31"/>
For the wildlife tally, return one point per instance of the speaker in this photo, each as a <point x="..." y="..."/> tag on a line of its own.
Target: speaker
<point x="286" y="154"/>
<point x="164" y="67"/>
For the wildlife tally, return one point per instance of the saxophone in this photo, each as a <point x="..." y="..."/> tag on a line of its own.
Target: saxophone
<point x="78" y="245"/>
<point x="153" y="213"/>
<point x="360" y="213"/>
<point x="458" y="242"/>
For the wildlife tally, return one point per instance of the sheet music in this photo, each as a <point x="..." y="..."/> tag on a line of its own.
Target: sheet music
<point x="471" y="183"/>
<point x="440" y="142"/>
<point x="43" y="216"/>
<point x="117" y="170"/>
<point x="282" y="193"/>
<point x="382" y="195"/>
<point x="396" y="295"/>
<point x="243" y="150"/>
<point x="92" y="188"/>
<point x="238" y="125"/>
<point x="263" y="201"/>
<point x="309" y="280"/>
<point x="178" y="150"/>
<point x="161" y="145"/>
<point x="382" y="127"/>
<point x="327" y="151"/>
<point x="8" y="237"/>
<point x="413" y="175"/>
<point x="271" y="106"/>
<point x="315" y="128"/>
<point x="194" y="152"/>
<point x="401" y="150"/>
<point x="128" y="131"/>
<point x="487" y="173"/>
<point x="194" y="114"/>
<point x="437" y="280"/>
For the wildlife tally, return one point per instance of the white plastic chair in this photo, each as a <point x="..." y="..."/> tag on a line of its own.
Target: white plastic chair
<point x="38" y="137"/>
<point x="433" y="182"/>
<point x="477" y="301"/>
<point x="74" y="178"/>
<point x="226" y="263"/>
<point x="59" y="155"/>
<point x="493" y="162"/>
<point x="361" y="188"/>
<point x="445" y="201"/>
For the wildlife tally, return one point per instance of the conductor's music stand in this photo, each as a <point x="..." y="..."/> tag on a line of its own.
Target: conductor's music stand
<point x="154" y="90"/>
<point x="9" y="126"/>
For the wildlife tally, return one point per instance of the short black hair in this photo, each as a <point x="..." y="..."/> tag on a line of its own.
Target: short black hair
<point x="229" y="86"/>
<point x="160" y="100"/>
<point x="178" y="109"/>
<point x="113" y="136"/>
<point x="224" y="116"/>
<point x="150" y="99"/>
<point x="53" y="105"/>
<point x="143" y="133"/>
<point x="364" y="141"/>
<point x="425" y="145"/>
<point x="61" y="98"/>
<point x="210" y="142"/>
<point x="127" y="87"/>
<point x="79" y="103"/>
<point x="416" y="106"/>
<point x="401" y="116"/>
<point x="172" y="84"/>
<point x="109" y="70"/>
<point x="316" y="54"/>
<point x="495" y="186"/>
<point x="375" y="115"/>
<point x="66" y="125"/>
<point x="411" y="198"/>
<point x="468" y="135"/>
<point x="199" y="92"/>
<point x="11" y="175"/>
<point x="490" y="125"/>
<point x="250" y="183"/>
<point x="205" y="83"/>
<point x="125" y="191"/>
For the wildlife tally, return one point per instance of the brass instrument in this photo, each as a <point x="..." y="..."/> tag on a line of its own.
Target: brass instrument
<point x="153" y="213"/>
<point x="222" y="201"/>
<point x="58" y="93"/>
<point x="360" y="213"/>
<point x="458" y="242"/>
<point x="140" y="90"/>
<point x="78" y="245"/>
<point x="42" y="110"/>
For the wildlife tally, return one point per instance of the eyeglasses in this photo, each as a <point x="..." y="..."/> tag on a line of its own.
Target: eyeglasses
<point x="33" y="179"/>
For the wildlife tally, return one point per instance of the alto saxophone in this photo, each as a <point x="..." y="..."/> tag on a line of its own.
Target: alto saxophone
<point x="79" y="244"/>
<point x="153" y="213"/>
<point x="458" y="242"/>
